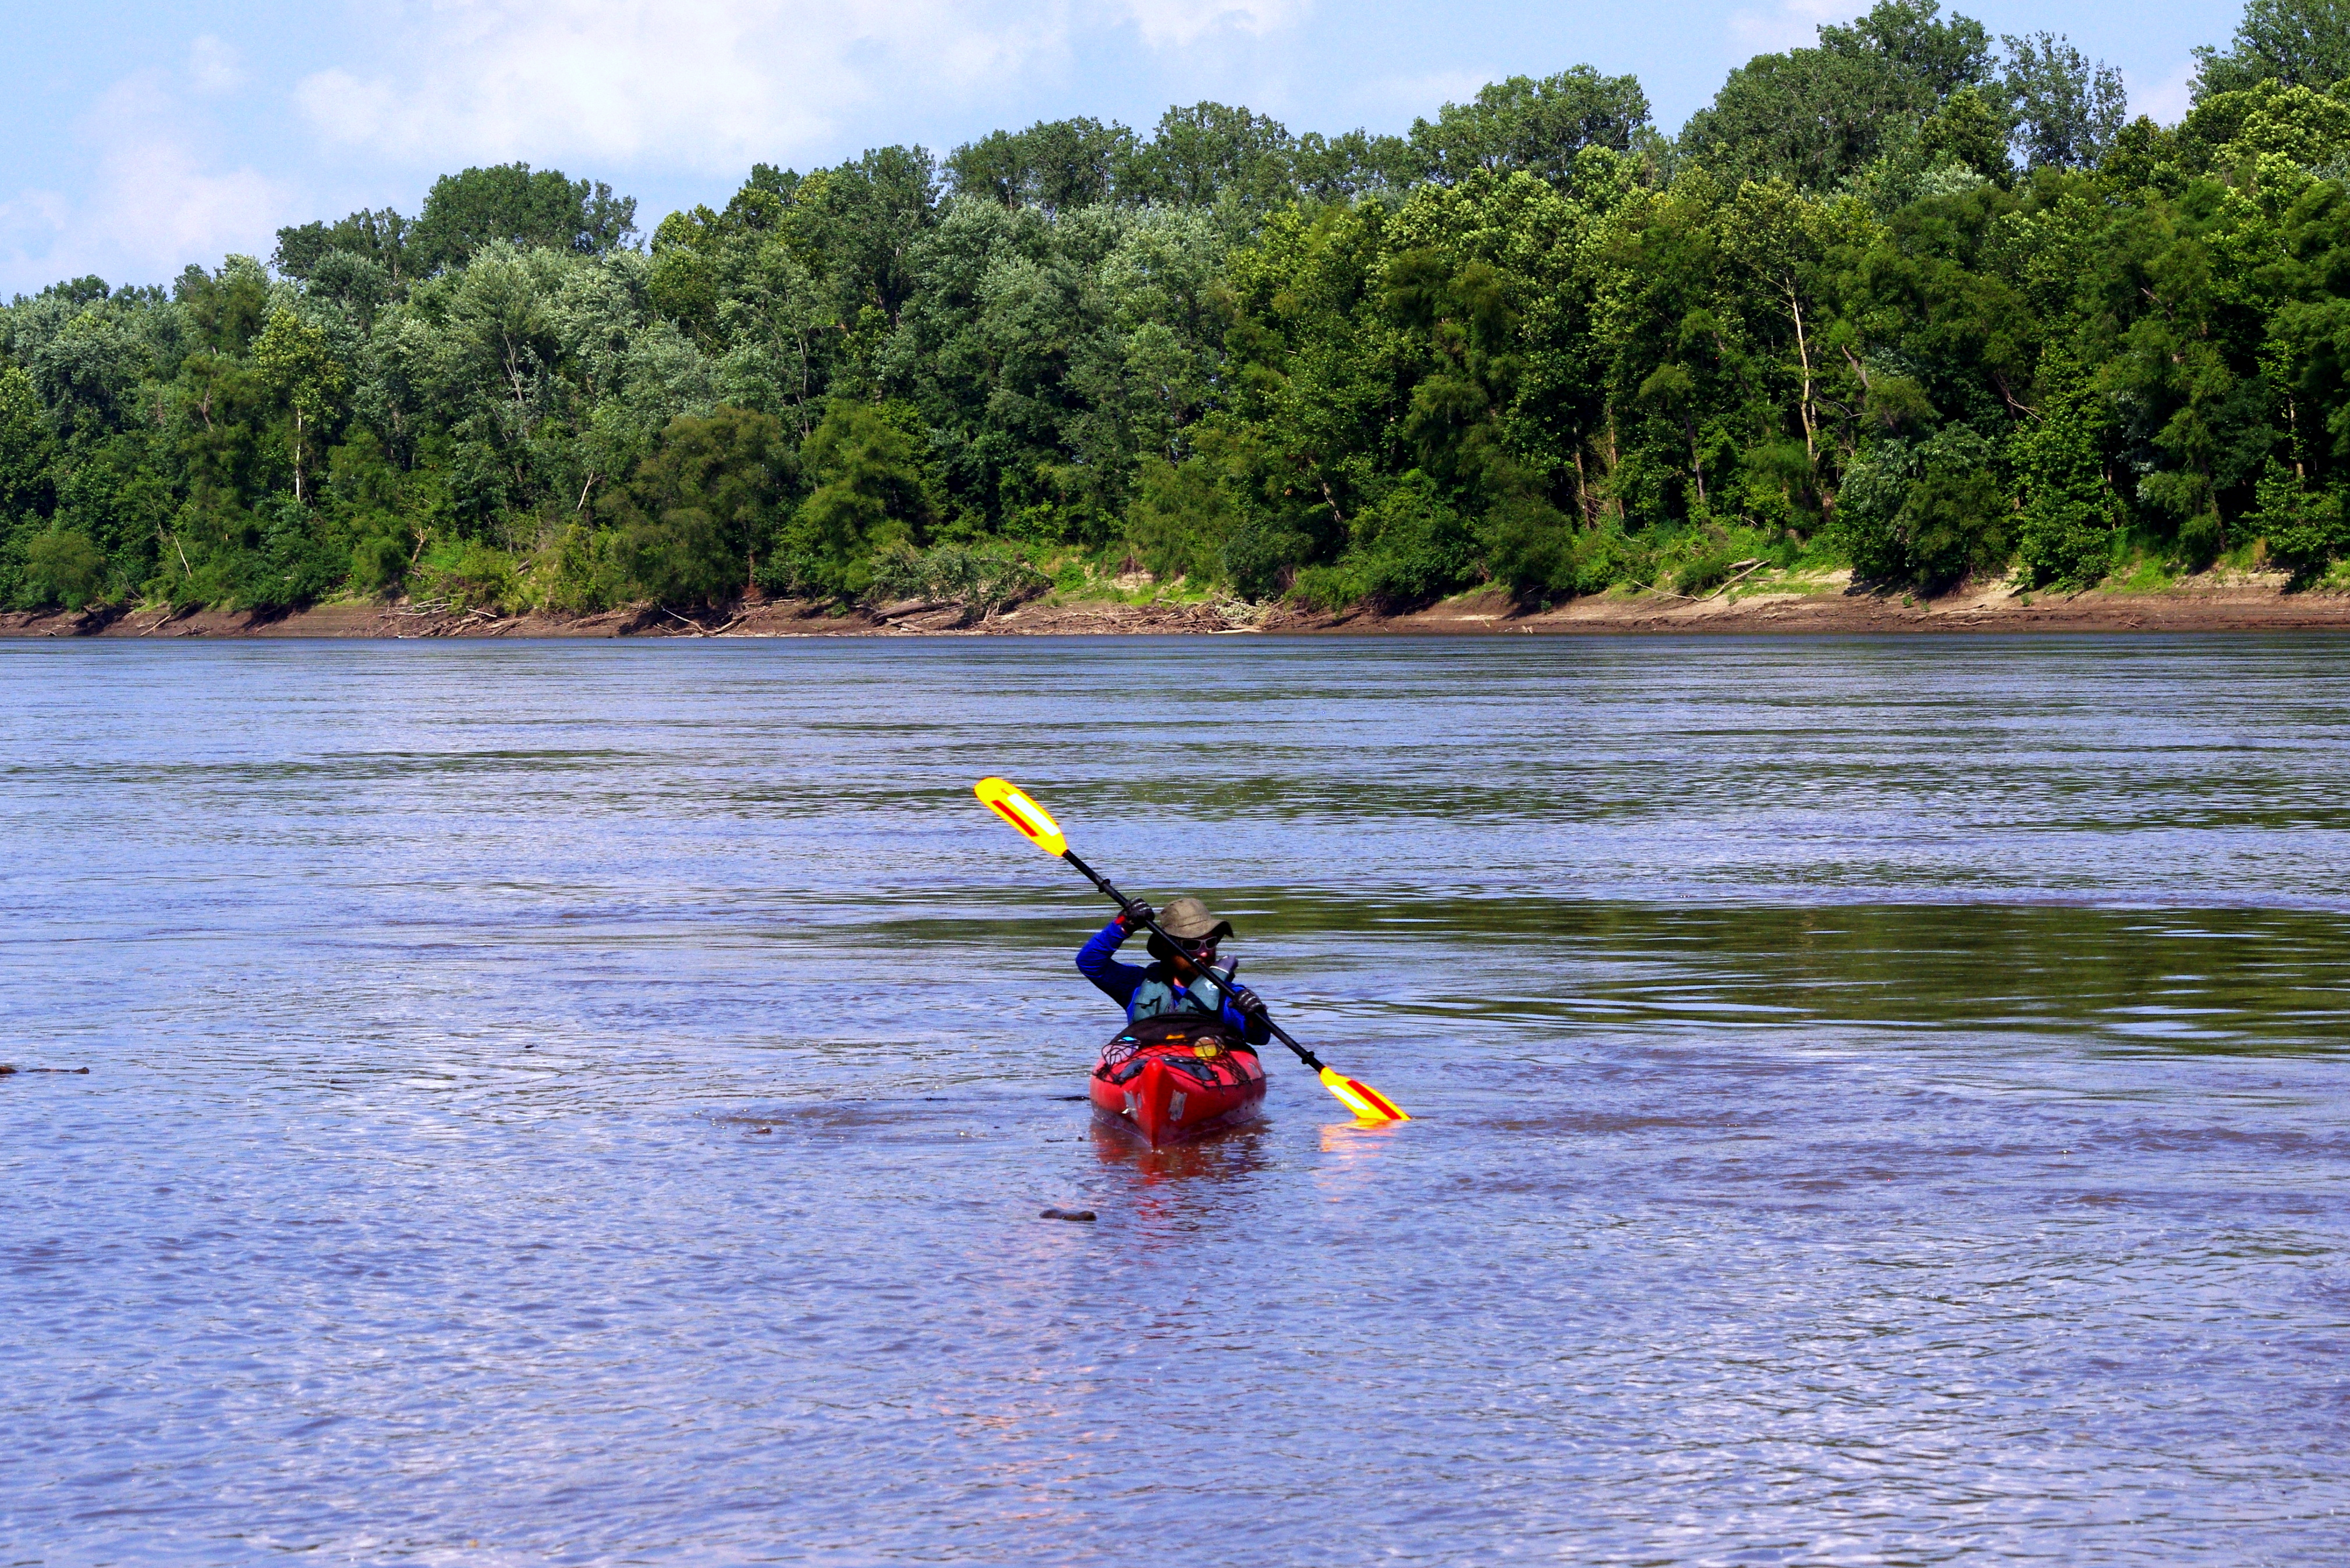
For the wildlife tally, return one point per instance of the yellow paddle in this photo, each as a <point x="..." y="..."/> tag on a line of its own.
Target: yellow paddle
<point x="1011" y="803"/>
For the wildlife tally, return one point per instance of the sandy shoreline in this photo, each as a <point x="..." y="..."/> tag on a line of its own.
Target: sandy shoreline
<point x="1819" y="607"/>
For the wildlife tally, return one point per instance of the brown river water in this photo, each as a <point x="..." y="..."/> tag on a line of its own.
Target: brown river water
<point x="1877" y="1102"/>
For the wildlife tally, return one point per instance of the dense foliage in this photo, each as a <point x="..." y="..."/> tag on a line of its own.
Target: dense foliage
<point x="1916" y="299"/>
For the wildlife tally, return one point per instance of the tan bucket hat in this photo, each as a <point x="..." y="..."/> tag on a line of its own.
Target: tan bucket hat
<point x="1188" y="920"/>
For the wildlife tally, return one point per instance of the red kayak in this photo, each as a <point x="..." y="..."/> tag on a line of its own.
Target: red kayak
<point x="1176" y="1077"/>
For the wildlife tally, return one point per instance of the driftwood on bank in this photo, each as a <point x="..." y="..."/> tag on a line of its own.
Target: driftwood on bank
<point x="1817" y="602"/>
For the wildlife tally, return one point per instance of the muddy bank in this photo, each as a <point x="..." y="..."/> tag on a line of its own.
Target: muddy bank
<point x="1827" y="605"/>
<point x="772" y="617"/>
<point x="2246" y="602"/>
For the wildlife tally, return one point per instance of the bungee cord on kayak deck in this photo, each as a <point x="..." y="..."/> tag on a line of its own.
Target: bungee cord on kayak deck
<point x="1181" y="1070"/>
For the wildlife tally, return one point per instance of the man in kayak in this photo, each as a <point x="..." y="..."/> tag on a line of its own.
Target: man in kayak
<point x="1173" y="983"/>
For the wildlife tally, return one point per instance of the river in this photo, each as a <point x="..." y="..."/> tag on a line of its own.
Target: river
<point x="1877" y="1102"/>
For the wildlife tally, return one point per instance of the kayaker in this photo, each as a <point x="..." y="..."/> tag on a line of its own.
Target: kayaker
<point x="1173" y="983"/>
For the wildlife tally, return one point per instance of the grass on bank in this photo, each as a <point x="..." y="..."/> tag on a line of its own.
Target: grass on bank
<point x="988" y="576"/>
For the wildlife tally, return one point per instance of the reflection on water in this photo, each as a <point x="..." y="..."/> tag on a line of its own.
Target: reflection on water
<point x="1222" y="1158"/>
<point x="1359" y="1144"/>
<point x="1877" y="1102"/>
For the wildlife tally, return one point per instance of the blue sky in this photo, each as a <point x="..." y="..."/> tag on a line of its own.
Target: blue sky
<point x="144" y="135"/>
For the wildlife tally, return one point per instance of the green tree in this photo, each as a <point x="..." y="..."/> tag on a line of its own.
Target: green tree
<point x="1965" y="131"/>
<point x="507" y="203"/>
<point x="1355" y="164"/>
<point x="2302" y="43"/>
<point x="1814" y="117"/>
<point x="2066" y="111"/>
<point x="700" y="509"/>
<point x="2071" y="515"/>
<point x="870" y="494"/>
<point x="1790" y="246"/>
<point x="2227" y="133"/>
<point x="27" y="449"/>
<point x="1181" y="520"/>
<point x="1928" y="512"/>
<point x="1535" y="126"/>
<point x="363" y="259"/>
<point x="1409" y="547"/>
<point x="1056" y="164"/>
<point x="1455" y="414"/>
<point x="1201" y="153"/>
<point x="1892" y="293"/>
<point x="2298" y="498"/>
<point x="2180" y="333"/>
<point x="63" y="568"/>
<point x="2306" y="528"/>
<point x="300" y="365"/>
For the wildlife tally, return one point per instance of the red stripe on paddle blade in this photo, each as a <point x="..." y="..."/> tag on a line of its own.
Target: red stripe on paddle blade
<point x="1361" y="1098"/>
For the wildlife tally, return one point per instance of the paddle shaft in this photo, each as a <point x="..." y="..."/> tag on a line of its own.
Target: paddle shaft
<point x="1225" y="980"/>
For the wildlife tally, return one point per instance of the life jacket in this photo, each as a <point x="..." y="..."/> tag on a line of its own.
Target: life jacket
<point x="1159" y="995"/>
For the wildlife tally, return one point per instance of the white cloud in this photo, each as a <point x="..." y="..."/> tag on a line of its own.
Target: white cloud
<point x="153" y="200"/>
<point x="1794" y="26"/>
<point x="214" y="66"/>
<point x="1180" y="23"/>
<point x="700" y="83"/>
<point x="143" y="184"/>
<point x="342" y="107"/>
<point x="2167" y="99"/>
<point x="34" y="221"/>
<point x="1419" y="94"/>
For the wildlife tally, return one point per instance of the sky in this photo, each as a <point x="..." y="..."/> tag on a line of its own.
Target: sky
<point x="144" y="135"/>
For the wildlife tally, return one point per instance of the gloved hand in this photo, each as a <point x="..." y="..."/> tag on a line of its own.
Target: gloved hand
<point x="1136" y="916"/>
<point x="1250" y="1004"/>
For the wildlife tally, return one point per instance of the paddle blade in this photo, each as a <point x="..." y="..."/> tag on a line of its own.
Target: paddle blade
<point x="1360" y="1097"/>
<point x="1011" y="803"/>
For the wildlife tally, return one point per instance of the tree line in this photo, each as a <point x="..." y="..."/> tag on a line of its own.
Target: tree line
<point x="1914" y="299"/>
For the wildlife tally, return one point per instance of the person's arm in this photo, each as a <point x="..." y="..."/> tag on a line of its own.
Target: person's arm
<point x="1245" y="1011"/>
<point x="1096" y="961"/>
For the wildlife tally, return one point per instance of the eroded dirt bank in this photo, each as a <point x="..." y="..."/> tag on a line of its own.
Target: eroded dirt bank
<point x="2251" y="603"/>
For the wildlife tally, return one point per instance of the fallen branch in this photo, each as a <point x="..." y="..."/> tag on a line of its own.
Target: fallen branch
<point x="1652" y="589"/>
<point x="689" y="626"/>
<point x="1752" y="567"/>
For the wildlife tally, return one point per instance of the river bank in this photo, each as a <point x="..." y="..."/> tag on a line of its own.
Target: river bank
<point x="1821" y="605"/>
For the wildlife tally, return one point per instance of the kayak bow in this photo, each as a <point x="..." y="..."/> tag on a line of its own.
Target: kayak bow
<point x="1176" y="1078"/>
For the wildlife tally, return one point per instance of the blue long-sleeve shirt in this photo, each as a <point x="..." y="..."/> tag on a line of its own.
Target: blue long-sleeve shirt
<point x="1097" y="961"/>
